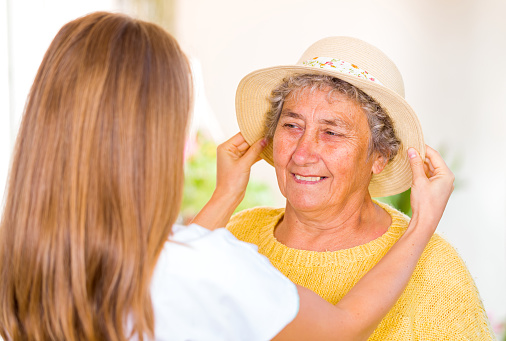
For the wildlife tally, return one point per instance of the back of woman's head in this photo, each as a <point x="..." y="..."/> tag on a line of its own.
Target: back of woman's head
<point x="95" y="183"/>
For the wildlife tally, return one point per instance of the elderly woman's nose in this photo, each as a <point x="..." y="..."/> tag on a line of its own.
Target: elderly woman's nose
<point x="306" y="150"/>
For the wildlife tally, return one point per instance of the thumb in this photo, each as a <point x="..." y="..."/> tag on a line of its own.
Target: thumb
<point x="252" y="155"/>
<point x="416" y="164"/>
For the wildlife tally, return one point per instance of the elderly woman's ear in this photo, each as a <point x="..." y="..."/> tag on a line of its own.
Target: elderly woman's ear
<point x="379" y="163"/>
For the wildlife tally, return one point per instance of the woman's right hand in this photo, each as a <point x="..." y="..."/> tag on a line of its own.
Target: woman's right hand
<point x="234" y="160"/>
<point x="432" y="185"/>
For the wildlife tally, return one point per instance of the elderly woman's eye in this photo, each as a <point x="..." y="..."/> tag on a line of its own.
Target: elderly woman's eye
<point x="333" y="133"/>
<point x="289" y="125"/>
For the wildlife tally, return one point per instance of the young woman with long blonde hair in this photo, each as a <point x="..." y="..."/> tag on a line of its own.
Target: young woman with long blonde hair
<point x="88" y="250"/>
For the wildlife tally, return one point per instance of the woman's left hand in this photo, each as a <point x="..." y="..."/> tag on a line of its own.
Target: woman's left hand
<point x="234" y="160"/>
<point x="432" y="185"/>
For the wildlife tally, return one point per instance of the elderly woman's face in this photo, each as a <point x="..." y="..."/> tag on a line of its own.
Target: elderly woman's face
<point x="320" y="151"/>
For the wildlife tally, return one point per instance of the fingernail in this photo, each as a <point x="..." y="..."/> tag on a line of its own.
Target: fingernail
<point x="411" y="153"/>
<point x="264" y="142"/>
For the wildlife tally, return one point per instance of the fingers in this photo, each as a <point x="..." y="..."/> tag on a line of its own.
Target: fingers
<point x="237" y="143"/>
<point x="416" y="163"/>
<point x="428" y="168"/>
<point x="236" y="140"/>
<point x="431" y="168"/>
<point x="243" y="147"/>
<point x="435" y="160"/>
<point x="236" y="148"/>
<point x="252" y="155"/>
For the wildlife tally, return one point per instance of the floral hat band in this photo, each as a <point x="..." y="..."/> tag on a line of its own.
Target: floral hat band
<point x="340" y="66"/>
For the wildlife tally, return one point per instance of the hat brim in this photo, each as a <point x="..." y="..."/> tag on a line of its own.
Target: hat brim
<point x="252" y="105"/>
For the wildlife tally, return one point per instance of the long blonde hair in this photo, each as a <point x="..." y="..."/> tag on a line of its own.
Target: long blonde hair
<point x="95" y="184"/>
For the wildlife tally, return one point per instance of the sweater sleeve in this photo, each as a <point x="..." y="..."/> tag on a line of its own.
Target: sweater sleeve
<point x="454" y="310"/>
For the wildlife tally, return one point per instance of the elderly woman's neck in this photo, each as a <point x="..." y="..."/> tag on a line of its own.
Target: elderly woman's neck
<point x="354" y="224"/>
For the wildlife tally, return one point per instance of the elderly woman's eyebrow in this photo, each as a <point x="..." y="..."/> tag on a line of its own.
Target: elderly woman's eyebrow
<point x="291" y="114"/>
<point x="335" y="122"/>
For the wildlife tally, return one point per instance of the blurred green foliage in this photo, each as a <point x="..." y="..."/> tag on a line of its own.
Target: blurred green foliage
<point x="200" y="181"/>
<point x="400" y="201"/>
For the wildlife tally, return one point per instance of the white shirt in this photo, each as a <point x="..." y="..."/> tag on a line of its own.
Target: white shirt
<point x="208" y="285"/>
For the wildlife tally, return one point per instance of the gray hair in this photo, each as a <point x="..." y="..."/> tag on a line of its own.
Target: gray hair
<point x="383" y="139"/>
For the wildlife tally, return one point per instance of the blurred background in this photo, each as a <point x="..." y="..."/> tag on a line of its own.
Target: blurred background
<point x="451" y="54"/>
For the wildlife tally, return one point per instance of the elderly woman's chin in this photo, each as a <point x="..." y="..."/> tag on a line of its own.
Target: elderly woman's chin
<point x="304" y="197"/>
<point x="303" y="203"/>
<point x="317" y="198"/>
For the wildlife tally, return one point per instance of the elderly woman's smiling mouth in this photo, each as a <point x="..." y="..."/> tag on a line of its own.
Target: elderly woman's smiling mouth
<point x="308" y="179"/>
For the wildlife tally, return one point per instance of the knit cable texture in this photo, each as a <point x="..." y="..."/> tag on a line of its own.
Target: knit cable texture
<point x="441" y="301"/>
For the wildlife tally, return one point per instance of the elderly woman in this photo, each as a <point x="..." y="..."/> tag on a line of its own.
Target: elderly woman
<point x="340" y="127"/>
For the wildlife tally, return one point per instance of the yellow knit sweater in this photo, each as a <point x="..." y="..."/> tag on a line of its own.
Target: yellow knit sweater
<point x="441" y="301"/>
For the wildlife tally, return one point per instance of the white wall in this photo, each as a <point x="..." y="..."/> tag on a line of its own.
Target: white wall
<point x="451" y="54"/>
<point x="5" y="136"/>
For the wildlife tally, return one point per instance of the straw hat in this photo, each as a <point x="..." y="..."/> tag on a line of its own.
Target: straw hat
<point x="357" y="63"/>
